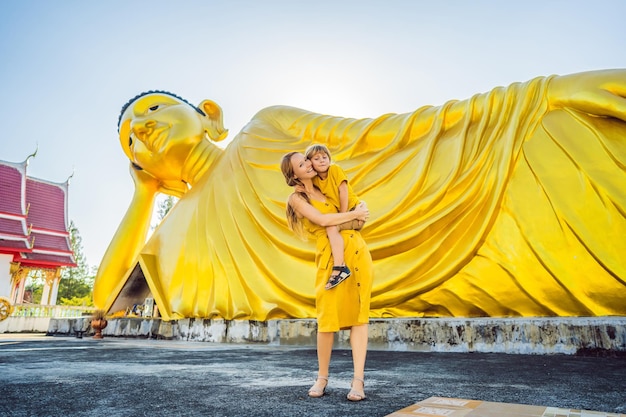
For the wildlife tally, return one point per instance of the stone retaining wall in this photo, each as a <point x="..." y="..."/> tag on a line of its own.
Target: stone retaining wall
<point x="24" y="324"/>
<point x="572" y="335"/>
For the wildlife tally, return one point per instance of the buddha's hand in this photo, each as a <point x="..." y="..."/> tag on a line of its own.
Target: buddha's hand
<point x="601" y="93"/>
<point x="146" y="183"/>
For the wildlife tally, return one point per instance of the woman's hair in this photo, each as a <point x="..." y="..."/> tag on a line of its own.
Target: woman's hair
<point x="292" y="218"/>
<point x="315" y="149"/>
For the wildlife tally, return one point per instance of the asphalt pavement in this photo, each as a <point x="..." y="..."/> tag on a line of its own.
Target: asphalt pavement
<point x="67" y="376"/>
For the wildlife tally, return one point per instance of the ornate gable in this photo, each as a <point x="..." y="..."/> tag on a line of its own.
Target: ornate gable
<point x="14" y="233"/>
<point x="33" y="218"/>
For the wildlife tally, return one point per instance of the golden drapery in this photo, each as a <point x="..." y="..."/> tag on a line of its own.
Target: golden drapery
<point x="493" y="206"/>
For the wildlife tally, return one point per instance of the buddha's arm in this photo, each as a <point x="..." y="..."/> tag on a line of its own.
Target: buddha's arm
<point x="128" y="239"/>
<point x="601" y="93"/>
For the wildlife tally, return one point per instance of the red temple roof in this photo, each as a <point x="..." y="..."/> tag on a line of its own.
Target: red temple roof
<point x="12" y="184"/>
<point x="33" y="218"/>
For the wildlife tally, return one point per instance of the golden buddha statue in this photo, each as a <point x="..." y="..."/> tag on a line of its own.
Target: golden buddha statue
<point x="510" y="203"/>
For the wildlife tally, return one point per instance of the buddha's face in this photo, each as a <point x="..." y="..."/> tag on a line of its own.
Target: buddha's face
<point x="158" y="132"/>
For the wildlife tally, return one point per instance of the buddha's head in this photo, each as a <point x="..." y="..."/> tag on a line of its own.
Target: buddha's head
<point x="159" y="130"/>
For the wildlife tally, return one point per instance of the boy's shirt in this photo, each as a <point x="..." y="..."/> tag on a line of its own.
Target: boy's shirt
<point x="330" y="186"/>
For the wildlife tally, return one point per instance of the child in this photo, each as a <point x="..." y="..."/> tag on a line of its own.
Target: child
<point x="332" y="181"/>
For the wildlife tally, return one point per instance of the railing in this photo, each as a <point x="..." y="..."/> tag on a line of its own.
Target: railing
<point x="52" y="311"/>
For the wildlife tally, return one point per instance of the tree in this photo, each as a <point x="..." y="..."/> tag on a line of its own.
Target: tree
<point x="164" y="205"/>
<point x="76" y="285"/>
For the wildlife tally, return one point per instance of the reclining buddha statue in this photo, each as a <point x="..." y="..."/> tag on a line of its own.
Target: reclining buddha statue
<point x="511" y="203"/>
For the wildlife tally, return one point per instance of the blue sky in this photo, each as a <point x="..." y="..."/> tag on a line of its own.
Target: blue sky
<point x="67" y="67"/>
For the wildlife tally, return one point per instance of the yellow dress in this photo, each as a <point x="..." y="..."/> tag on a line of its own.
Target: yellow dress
<point x="348" y="304"/>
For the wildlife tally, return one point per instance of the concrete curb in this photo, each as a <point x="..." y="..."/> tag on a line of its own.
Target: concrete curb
<point x="570" y="335"/>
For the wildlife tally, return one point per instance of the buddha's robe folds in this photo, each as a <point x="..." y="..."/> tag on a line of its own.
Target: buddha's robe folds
<point x="501" y="208"/>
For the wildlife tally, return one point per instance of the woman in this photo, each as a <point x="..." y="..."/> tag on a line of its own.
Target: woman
<point x="347" y="305"/>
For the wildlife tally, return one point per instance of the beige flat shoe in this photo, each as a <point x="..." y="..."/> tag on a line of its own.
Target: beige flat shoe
<point x="356" y="395"/>
<point x="316" y="392"/>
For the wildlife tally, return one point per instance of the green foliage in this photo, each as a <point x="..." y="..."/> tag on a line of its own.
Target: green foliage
<point x="164" y="205"/>
<point x="86" y="301"/>
<point x="36" y="291"/>
<point x="72" y="288"/>
<point x="76" y="283"/>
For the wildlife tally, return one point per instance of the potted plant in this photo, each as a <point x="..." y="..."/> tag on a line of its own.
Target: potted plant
<point x="98" y="322"/>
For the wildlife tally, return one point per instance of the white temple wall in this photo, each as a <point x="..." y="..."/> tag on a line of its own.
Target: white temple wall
<point x="45" y="295"/>
<point x="54" y="292"/>
<point x="5" y="275"/>
<point x="25" y="325"/>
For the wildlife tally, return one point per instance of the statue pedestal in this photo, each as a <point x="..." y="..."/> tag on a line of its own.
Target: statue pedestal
<point x="537" y="335"/>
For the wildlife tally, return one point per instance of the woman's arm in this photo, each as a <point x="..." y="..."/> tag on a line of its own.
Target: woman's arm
<point x="304" y="209"/>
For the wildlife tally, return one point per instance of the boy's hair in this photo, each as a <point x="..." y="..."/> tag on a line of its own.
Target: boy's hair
<point x="315" y="149"/>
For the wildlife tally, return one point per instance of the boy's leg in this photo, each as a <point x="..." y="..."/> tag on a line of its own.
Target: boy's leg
<point x="340" y="271"/>
<point x="336" y="244"/>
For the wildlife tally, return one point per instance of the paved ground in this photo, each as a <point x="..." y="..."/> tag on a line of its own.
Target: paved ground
<point x="66" y="376"/>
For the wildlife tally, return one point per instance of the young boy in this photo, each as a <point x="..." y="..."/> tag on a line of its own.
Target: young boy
<point x="333" y="182"/>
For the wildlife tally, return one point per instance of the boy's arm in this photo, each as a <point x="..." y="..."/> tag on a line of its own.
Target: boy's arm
<point x="343" y="197"/>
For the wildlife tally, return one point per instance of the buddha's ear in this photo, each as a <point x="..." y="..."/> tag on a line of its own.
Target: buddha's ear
<point x="214" y="125"/>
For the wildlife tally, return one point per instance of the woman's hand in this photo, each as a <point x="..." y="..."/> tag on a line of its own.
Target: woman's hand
<point x="361" y="212"/>
<point x="600" y="93"/>
<point x="354" y="224"/>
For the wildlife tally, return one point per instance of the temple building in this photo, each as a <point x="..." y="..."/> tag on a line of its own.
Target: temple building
<point x="34" y="233"/>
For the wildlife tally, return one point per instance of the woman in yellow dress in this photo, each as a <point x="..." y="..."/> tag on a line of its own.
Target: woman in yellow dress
<point x="346" y="306"/>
